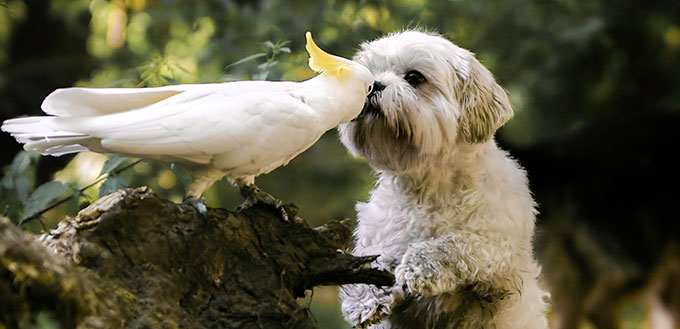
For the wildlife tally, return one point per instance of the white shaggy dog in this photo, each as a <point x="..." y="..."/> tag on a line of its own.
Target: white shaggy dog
<point x="451" y="216"/>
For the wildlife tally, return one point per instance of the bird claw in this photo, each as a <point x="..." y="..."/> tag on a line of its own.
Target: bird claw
<point x="198" y="204"/>
<point x="253" y="195"/>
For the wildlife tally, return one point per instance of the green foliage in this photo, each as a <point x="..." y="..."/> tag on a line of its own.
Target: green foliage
<point x="159" y="71"/>
<point x="273" y="50"/>
<point x="16" y="185"/>
<point x="112" y="163"/>
<point x="21" y="205"/>
<point x="246" y="59"/>
<point x="16" y="179"/>
<point x="112" y="184"/>
<point x="42" y="197"/>
<point x="16" y="199"/>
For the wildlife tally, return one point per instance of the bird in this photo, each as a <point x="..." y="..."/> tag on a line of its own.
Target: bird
<point x="238" y="129"/>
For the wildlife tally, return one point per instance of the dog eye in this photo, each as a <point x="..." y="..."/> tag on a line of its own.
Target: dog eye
<point x="414" y="78"/>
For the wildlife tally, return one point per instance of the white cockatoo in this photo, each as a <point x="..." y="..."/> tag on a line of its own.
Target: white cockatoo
<point x="237" y="129"/>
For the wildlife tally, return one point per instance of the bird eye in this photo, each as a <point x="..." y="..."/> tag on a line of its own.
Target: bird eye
<point x="414" y="78"/>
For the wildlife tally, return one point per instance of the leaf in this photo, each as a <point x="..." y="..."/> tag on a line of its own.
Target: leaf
<point x="267" y="65"/>
<point x="112" y="184"/>
<point x="261" y="76"/>
<point x="15" y="180"/>
<point x="245" y="59"/>
<point x="175" y="66"/>
<point x="284" y="50"/>
<point x="10" y="207"/>
<point x="42" y="196"/>
<point x="22" y="188"/>
<point x="269" y="44"/>
<point x="228" y="78"/>
<point x="112" y="162"/>
<point x="170" y="80"/>
<point x="20" y="163"/>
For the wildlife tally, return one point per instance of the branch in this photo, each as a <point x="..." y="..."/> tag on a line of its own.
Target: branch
<point x="135" y="259"/>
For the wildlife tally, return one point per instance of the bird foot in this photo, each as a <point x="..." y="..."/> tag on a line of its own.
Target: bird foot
<point x="253" y="195"/>
<point x="198" y="204"/>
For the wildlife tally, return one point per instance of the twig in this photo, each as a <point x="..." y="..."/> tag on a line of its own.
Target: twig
<point x="42" y="224"/>
<point x="80" y="191"/>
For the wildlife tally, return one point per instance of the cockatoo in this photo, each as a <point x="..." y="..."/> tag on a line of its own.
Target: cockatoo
<point x="237" y="129"/>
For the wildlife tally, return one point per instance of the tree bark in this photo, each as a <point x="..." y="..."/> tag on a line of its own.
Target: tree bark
<point x="133" y="260"/>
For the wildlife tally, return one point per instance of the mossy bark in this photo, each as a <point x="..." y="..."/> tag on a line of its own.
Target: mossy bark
<point x="133" y="260"/>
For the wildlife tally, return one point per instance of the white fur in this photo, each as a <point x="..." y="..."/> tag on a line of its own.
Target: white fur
<point x="452" y="215"/>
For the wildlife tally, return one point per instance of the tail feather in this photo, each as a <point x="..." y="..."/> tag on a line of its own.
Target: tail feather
<point x="43" y="135"/>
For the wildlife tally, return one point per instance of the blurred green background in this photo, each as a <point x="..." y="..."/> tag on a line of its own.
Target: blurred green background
<point x="566" y="65"/>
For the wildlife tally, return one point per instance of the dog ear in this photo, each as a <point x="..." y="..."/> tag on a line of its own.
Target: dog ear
<point x="484" y="104"/>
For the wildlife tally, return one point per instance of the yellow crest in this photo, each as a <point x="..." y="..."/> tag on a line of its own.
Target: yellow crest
<point x="320" y="61"/>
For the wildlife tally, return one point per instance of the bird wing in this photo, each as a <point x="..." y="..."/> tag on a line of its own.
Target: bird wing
<point x="200" y="125"/>
<point x="76" y="102"/>
<point x="97" y="101"/>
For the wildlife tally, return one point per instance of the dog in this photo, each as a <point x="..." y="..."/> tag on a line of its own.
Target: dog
<point x="451" y="216"/>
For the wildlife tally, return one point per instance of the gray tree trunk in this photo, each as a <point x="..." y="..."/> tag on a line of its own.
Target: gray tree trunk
<point x="132" y="260"/>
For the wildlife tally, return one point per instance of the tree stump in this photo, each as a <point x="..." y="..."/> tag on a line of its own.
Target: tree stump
<point x="133" y="260"/>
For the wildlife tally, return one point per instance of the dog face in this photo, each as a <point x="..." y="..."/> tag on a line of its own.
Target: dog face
<point x="429" y="97"/>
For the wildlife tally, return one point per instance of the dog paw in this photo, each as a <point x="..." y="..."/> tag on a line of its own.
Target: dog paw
<point x="420" y="272"/>
<point x="379" y="314"/>
<point x="364" y="305"/>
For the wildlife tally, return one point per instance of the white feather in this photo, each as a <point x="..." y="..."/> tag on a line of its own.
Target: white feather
<point x="241" y="129"/>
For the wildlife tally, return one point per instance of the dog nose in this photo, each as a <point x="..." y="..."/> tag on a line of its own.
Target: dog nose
<point x="378" y="86"/>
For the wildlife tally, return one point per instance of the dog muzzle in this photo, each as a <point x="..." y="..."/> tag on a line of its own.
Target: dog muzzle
<point x="372" y="103"/>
